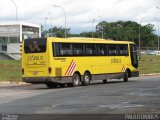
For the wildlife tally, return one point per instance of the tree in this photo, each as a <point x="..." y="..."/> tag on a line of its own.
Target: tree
<point x="89" y="34"/>
<point x="120" y="30"/>
<point x="56" y="32"/>
<point x="59" y="31"/>
<point x="128" y="30"/>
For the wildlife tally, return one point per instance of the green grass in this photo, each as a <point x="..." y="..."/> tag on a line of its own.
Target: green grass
<point x="149" y="64"/>
<point x="10" y="70"/>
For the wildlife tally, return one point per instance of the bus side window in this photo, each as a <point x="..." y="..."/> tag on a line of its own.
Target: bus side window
<point x="62" y="52"/>
<point x="112" y="49"/>
<point x="65" y="49"/>
<point x="123" y="50"/>
<point x="101" y="49"/>
<point x="56" y="49"/>
<point x="90" y="49"/>
<point x="77" y="49"/>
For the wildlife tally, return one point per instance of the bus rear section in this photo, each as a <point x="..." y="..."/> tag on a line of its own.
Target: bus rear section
<point x="34" y="60"/>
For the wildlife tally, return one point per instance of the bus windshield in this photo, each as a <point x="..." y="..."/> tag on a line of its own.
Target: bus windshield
<point x="35" y="45"/>
<point x="134" y="59"/>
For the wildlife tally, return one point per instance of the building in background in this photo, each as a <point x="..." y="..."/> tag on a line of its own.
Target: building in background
<point x="11" y="36"/>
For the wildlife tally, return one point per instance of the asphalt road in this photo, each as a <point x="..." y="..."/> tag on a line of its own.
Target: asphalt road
<point x="139" y="95"/>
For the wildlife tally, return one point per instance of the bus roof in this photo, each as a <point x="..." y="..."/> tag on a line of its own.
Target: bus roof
<point x="86" y="40"/>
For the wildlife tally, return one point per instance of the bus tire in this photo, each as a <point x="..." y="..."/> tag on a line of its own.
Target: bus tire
<point x="125" y="79"/>
<point x="70" y="85"/>
<point x="61" y="85"/>
<point x="86" y="79"/>
<point x="51" y="85"/>
<point x="105" y="81"/>
<point x="75" y="80"/>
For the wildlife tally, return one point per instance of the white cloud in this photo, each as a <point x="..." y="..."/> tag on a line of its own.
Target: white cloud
<point x="80" y="13"/>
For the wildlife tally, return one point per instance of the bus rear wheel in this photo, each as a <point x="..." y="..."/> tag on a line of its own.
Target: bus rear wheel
<point x="61" y="85"/>
<point x="125" y="79"/>
<point x="51" y="85"/>
<point x="70" y="85"/>
<point x="75" y="80"/>
<point x="86" y="79"/>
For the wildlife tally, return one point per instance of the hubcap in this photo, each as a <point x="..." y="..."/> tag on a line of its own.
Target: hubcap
<point x="86" y="78"/>
<point x="76" y="80"/>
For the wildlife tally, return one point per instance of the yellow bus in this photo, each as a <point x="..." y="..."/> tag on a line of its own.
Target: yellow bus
<point x="74" y="61"/>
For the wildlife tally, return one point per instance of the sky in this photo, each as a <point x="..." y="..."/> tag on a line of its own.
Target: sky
<point x="80" y="14"/>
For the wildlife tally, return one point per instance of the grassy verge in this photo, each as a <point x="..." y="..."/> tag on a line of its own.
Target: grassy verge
<point x="10" y="70"/>
<point x="149" y="64"/>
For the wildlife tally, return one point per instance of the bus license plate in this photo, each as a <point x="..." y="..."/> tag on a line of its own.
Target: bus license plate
<point x="35" y="72"/>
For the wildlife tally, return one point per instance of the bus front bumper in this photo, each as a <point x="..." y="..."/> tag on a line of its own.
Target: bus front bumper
<point x="47" y="79"/>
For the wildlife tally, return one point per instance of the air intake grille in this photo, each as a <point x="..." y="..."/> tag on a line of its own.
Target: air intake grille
<point x="58" y="72"/>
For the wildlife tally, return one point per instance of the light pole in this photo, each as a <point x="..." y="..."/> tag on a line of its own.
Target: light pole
<point x="16" y="9"/>
<point x="64" y="17"/>
<point x="158" y="33"/>
<point x="139" y="39"/>
<point x="158" y="39"/>
<point x="16" y="13"/>
<point x="45" y="26"/>
<point x="102" y="27"/>
<point x="102" y="30"/>
<point x="51" y="22"/>
<point x="92" y="26"/>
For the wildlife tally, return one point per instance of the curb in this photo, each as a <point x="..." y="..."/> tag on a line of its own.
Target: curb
<point x="151" y="74"/>
<point x="14" y="83"/>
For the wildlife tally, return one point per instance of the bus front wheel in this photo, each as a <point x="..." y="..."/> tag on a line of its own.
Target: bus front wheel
<point x="86" y="79"/>
<point x="75" y="80"/>
<point x="125" y="76"/>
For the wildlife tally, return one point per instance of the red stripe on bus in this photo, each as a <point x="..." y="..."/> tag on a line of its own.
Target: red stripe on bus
<point x="72" y="69"/>
<point x="68" y="67"/>
<point x="122" y="68"/>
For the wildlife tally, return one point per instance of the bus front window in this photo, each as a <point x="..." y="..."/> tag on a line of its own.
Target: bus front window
<point x="133" y="52"/>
